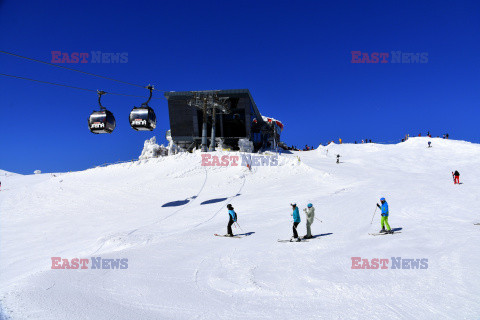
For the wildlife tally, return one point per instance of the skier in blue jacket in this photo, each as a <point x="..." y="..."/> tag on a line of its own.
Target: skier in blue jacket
<point x="384" y="221"/>
<point x="296" y="221"/>
<point x="232" y="219"/>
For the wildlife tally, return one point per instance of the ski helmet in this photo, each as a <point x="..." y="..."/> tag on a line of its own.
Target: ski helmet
<point x="382" y="199"/>
<point x="229" y="207"/>
<point x="309" y="205"/>
<point x="293" y="204"/>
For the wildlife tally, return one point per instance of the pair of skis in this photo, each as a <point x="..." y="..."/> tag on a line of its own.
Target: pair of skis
<point x="382" y="233"/>
<point x="239" y="235"/>
<point x="228" y="236"/>
<point x="235" y="235"/>
<point x="301" y="240"/>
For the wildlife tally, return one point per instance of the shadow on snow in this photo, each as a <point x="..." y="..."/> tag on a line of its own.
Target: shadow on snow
<point x="321" y="235"/>
<point x="245" y="234"/>
<point x="213" y="201"/>
<point x="177" y="203"/>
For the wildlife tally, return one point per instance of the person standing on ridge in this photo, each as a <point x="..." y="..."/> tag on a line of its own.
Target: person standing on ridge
<point x="232" y="219"/>
<point x="456" y="177"/>
<point x="384" y="221"/>
<point x="310" y="213"/>
<point x="296" y="221"/>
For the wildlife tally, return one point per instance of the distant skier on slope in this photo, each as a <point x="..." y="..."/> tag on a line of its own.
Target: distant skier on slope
<point x="384" y="221"/>
<point x="310" y="213"/>
<point x="429" y="144"/>
<point x="232" y="219"/>
<point x="296" y="221"/>
<point x="456" y="177"/>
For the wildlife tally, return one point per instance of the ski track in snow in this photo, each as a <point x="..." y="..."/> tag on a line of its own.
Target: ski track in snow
<point x="179" y="270"/>
<point x="223" y="206"/>
<point x="121" y="236"/>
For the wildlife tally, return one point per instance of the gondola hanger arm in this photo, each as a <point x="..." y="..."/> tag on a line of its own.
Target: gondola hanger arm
<point x="100" y="94"/>
<point x="150" y="88"/>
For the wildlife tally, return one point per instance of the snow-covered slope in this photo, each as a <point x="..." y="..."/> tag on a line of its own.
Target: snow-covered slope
<point x="161" y="215"/>
<point x="4" y="173"/>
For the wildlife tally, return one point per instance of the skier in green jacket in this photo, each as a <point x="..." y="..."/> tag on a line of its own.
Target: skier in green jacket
<point x="384" y="221"/>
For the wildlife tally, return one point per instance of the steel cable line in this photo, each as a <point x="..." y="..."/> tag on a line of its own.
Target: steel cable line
<point x="71" y="69"/>
<point x="72" y="87"/>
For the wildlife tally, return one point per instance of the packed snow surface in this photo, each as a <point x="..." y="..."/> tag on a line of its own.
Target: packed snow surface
<point x="4" y="173"/>
<point x="161" y="215"/>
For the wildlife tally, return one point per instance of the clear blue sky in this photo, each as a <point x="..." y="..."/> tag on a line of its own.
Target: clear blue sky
<point x="294" y="56"/>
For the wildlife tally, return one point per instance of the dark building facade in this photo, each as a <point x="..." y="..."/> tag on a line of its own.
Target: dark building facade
<point x="243" y="121"/>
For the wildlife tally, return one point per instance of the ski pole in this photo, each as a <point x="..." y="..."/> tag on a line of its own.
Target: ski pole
<point x="318" y="219"/>
<point x="239" y="226"/>
<point x="374" y="215"/>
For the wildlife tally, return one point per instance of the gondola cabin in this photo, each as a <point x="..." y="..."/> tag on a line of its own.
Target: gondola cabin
<point x="143" y="118"/>
<point x="101" y="121"/>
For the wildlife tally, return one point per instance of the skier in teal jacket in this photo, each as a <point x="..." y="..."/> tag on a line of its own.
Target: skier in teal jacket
<point x="296" y="221"/>
<point x="384" y="221"/>
<point x="232" y="219"/>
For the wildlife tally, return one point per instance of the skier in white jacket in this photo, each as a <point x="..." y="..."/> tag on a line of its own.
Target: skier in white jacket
<point x="310" y="213"/>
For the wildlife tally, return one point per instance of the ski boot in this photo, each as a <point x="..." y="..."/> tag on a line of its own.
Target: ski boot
<point x="383" y="230"/>
<point x="390" y="231"/>
<point x="229" y="235"/>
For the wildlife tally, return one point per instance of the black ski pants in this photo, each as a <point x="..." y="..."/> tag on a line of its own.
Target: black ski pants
<point x="295" y="234"/>
<point x="229" y="227"/>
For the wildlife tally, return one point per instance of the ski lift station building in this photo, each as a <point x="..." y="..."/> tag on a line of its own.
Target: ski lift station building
<point x="242" y="120"/>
